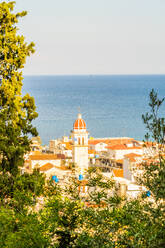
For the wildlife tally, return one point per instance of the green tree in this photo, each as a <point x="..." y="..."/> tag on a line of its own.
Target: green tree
<point x="20" y="230"/>
<point x="16" y="112"/>
<point x="75" y="220"/>
<point x="17" y="191"/>
<point x="144" y="218"/>
<point x="154" y="175"/>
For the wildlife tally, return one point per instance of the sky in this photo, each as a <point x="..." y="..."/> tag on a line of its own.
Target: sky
<point x="94" y="36"/>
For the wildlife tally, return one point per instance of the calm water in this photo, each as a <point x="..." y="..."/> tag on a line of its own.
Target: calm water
<point x="111" y="105"/>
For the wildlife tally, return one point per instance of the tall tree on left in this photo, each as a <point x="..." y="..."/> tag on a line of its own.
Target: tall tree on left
<point x="16" y="111"/>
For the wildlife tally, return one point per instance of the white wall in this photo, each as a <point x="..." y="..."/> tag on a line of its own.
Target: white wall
<point x="127" y="174"/>
<point x="119" y="154"/>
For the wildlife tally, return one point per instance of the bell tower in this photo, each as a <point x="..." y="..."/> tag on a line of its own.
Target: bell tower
<point x="80" y="144"/>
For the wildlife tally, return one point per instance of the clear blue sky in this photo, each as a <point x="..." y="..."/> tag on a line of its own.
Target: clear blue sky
<point x="95" y="36"/>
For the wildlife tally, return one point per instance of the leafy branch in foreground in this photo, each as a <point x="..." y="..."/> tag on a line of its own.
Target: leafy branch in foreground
<point x="154" y="169"/>
<point x="154" y="123"/>
<point x="16" y="112"/>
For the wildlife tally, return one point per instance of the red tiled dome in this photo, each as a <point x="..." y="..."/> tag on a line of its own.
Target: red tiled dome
<point x="79" y="123"/>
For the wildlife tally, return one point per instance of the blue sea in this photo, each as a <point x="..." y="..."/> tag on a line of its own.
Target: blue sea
<point x="112" y="106"/>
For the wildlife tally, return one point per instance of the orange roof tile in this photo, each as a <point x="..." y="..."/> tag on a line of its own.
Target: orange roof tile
<point x="49" y="166"/>
<point x="120" y="161"/>
<point x="46" y="167"/>
<point x="62" y="167"/>
<point x="123" y="147"/>
<point x="132" y="156"/>
<point x="112" y="141"/>
<point x="95" y="142"/>
<point x="91" y="152"/>
<point x="36" y="152"/>
<point x="68" y="145"/>
<point x="118" y="172"/>
<point x="44" y="157"/>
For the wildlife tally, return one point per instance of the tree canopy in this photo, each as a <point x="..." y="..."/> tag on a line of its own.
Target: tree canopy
<point x="16" y="111"/>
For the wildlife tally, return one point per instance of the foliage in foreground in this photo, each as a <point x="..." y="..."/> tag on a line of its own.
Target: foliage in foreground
<point x="64" y="219"/>
<point x="16" y="112"/>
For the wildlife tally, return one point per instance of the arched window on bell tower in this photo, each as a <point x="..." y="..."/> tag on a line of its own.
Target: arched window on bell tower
<point x="83" y="141"/>
<point x="79" y="141"/>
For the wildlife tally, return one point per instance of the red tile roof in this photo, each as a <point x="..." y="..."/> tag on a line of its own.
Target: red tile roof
<point x="119" y="161"/>
<point x="68" y="145"/>
<point x="49" y="166"/>
<point x="112" y="141"/>
<point x="47" y="157"/>
<point x="123" y="147"/>
<point x="132" y="156"/>
<point x="46" y="167"/>
<point x="95" y="142"/>
<point x="118" y="172"/>
<point x="91" y="151"/>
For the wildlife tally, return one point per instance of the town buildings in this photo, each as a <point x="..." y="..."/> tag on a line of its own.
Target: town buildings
<point x="118" y="158"/>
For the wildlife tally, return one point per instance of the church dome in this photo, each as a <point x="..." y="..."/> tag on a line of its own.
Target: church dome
<point x="79" y="124"/>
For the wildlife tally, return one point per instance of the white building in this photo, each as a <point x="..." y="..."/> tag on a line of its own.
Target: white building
<point x="130" y="163"/>
<point x="119" y="151"/>
<point x="60" y="171"/>
<point x="80" y="145"/>
<point x="36" y="161"/>
<point x="98" y="145"/>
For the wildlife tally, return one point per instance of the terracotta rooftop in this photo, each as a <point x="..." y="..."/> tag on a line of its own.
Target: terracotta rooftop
<point x="62" y="167"/>
<point x="123" y="147"/>
<point x="36" y="152"/>
<point x="95" y="142"/>
<point x="112" y="141"/>
<point x="47" y="157"/>
<point x="68" y="145"/>
<point x="91" y="151"/>
<point x="118" y="172"/>
<point x="132" y="156"/>
<point x="49" y="166"/>
<point x="120" y="161"/>
<point x="46" y="167"/>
